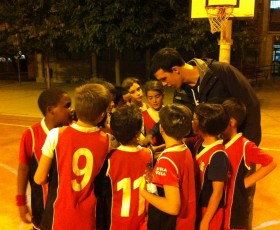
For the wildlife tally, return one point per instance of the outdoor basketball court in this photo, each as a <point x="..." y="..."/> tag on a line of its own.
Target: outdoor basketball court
<point x="267" y="199"/>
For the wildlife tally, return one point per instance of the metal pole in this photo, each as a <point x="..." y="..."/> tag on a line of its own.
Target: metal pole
<point x="225" y="43"/>
<point x="18" y="67"/>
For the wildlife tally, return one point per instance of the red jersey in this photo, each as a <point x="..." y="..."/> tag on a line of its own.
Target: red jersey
<point x="241" y="153"/>
<point x="212" y="163"/>
<point x="175" y="168"/>
<point x="29" y="154"/>
<point x="150" y="118"/>
<point x="126" y="167"/>
<point x="79" y="155"/>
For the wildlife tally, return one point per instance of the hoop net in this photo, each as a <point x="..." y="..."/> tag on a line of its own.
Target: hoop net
<point x="218" y="16"/>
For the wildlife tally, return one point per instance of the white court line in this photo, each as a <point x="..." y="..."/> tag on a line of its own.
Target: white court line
<point x="267" y="224"/>
<point x="20" y="115"/>
<point x="8" y="168"/>
<point x="26" y="126"/>
<point x="269" y="149"/>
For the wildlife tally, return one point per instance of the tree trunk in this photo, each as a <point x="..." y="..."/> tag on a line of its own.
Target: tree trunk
<point x="117" y="70"/>
<point x="94" y="73"/>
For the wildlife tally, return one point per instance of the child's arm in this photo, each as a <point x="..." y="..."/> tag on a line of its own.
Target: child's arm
<point x="214" y="201"/>
<point x="22" y="180"/>
<point x="259" y="174"/>
<point x="41" y="175"/>
<point x="170" y="204"/>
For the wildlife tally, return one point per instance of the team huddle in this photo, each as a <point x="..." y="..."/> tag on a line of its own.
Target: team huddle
<point x="116" y="162"/>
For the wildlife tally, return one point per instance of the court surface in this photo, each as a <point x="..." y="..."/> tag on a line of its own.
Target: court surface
<point x="18" y="110"/>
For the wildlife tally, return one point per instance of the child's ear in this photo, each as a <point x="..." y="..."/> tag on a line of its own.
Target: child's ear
<point x="175" y="69"/>
<point x="232" y="122"/>
<point x="100" y="118"/>
<point x="161" y="129"/>
<point x="50" y="110"/>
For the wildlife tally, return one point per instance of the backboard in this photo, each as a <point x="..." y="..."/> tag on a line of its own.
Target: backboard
<point x="242" y="8"/>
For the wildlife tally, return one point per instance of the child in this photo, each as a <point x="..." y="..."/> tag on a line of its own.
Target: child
<point x="209" y="121"/>
<point x="55" y="105"/>
<point x="126" y="166"/>
<point x="241" y="153"/>
<point x="122" y="97"/>
<point x="104" y="125"/>
<point x="132" y="85"/>
<point x="76" y="153"/>
<point x="174" y="206"/>
<point x="154" y="93"/>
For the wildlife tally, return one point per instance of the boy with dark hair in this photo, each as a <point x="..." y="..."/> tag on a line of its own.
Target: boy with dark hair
<point x="174" y="206"/>
<point x="209" y="121"/>
<point x="126" y="166"/>
<point x="76" y="154"/>
<point x="55" y="105"/>
<point x="241" y="153"/>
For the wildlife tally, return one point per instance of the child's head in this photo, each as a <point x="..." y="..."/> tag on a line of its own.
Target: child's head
<point x="122" y="97"/>
<point x="91" y="102"/>
<point x="236" y="110"/>
<point x="132" y="85"/>
<point x="210" y="119"/>
<point x="175" y="120"/>
<point x="55" y="104"/>
<point x="112" y="90"/>
<point x="126" y="123"/>
<point x="155" y="93"/>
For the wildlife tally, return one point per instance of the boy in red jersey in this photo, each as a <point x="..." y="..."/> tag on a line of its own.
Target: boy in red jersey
<point x="76" y="154"/>
<point x="126" y="167"/>
<point x="154" y="93"/>
<point x="175" y="205"/>
<point x="209" y="121"/>
<point x="241" y="153"/>
<point x="55" y="105"/>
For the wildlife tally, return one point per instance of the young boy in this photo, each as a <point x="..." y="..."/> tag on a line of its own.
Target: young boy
<point x="55" y="105"/>
<point x="175" y="205"/>
<point x="209" y="121"/>
<point x="154" y="93"/>
<point x="76" y="154"/>
<point x="241" y="153"/>
<point x="126" y="167"/>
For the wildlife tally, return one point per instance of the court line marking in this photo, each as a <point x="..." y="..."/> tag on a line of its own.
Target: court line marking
<point x="20" y="115"/>
<point x="8" y="168"/>
<point x="267" y="224"/>
<point x="7" y="124"/>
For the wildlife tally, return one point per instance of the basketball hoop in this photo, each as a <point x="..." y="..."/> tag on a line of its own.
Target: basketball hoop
<point x="218" y="16"/>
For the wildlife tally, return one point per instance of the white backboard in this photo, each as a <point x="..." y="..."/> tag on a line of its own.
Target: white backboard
<point x="242" y="9"/>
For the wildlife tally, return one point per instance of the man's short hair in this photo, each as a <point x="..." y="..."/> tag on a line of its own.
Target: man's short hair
<point x="165" y="59"/>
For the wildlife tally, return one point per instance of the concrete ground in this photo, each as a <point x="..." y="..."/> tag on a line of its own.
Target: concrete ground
<point x="18" y="110"/>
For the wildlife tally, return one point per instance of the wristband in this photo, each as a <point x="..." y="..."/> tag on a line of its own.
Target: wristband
<point x="20" y="200"/>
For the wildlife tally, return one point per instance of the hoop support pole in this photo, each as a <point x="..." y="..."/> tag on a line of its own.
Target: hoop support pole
<point x="225" y="43"/>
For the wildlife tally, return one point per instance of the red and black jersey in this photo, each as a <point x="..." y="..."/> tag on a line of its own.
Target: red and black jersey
<point x="78" y="157"/>
<point x="175" y="168"/>
<point x="126" y="167"/>
<point x="241" y="153"/>
<point x="30" y="153"/>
